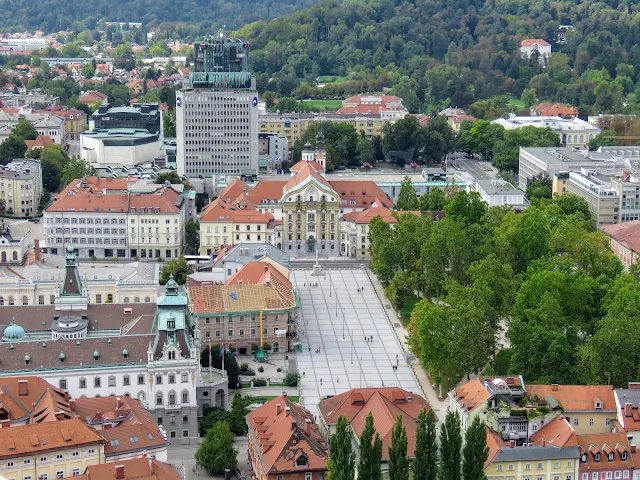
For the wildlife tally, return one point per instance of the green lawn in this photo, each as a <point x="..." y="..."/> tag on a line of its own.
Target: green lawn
<point x="331" y="79"/>
<point x="517" y="103"/>
<point x="405" y="312"/>
<point x="293" y="398"/>
<point x="324" y="104"/>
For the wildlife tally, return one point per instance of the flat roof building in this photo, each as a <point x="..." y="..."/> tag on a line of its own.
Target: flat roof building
<point x="573" y="132"/>
<point x="119" y="146"/>
<point x="145" y="116"/>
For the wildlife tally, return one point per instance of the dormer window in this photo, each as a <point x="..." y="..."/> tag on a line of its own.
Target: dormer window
<point x="596" y="457"/>
<point x="302" y="461"/>
<point x="610" y="456"/>
<point x="583" y="458"/>
<point x="623" y="456"/>
<point x="172" y="354"/>
<point x="598" y="405"/>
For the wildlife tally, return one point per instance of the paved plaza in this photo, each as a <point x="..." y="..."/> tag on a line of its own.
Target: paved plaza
<point x="335" y="318"/>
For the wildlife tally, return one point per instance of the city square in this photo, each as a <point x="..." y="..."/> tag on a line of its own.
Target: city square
<point x="339" y="308"/>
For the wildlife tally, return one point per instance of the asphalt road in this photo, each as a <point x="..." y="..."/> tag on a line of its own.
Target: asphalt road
<point x="480" y="170"/>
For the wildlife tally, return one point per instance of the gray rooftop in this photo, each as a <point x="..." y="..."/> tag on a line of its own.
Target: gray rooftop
<point x="494" y="188"/>
<point x="628" y="395"/>
<point x="534" y="452"/>
<point x="570" y="156"/>
<point x="250" y="252"/>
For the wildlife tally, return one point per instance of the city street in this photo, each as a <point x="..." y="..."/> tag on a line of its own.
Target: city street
<point x="334" y="320"/>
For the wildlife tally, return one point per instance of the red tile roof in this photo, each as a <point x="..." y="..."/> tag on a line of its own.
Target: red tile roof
<point x="45" y="437"/>
<point x="363" y="192"/>
<point x="267" y="190"/>
<point x="385" y="404"/>
<point x="305" y="172"/>
<point x="235" y="188"/>
<point x="575" y="398"/>
<point x="40" y="142"/>
<point x="557" y="433"/>
<point x="471" y="394"/>
<point x="92" y="97"/>
<point x="534" y="41"/>
<point x="262" y="273"/>
<point x="495" y="443"/>
<point x="125" y="418"/>
<point x="602" y="444"/>
<point x="366" y="216"/>
<point x="371" y="104"/>
<point x="547" y="109"/>
<point x="135" y="469"/>
<point x="282" y="442"/>
<point x="34" y="399"/>
<point x="315" y="165"/>
<point x="627" y="233"/>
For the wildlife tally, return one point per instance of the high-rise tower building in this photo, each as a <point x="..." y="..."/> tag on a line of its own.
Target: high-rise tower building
<point x="217" y="112"/>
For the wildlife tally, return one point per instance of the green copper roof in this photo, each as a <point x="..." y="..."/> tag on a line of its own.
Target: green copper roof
<point x="176" y="315"/>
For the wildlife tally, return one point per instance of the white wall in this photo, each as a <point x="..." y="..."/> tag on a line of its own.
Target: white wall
<point x="94" y="151"/>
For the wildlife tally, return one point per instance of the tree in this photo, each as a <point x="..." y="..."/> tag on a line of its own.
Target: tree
<point x="407" y="198"/>
<point x="437" y="199"/>
<point x="269" y="98"/>
<point x="171" y="177"/>
<point x="288" y="104"/>
<point x="237" y="418"/>
<point x="475" y="451"/>
<point x="124" y="57"/>
<point x="425" y="463"/>
<point x="12" y="147"/>
<point x="398" y="461"/>
<point x="507" y="150"/>
<point x="211" y="417"/>
<point x="365" y="152"/>
<point x="88" y="71"/>
<point x="76" y="168"/>
<point x="450" y="447"/>
<point x="169" y="123"/>
<point x="179" y="268"/>
<point x="216" y="452"/>
<point x="52" y="160"/>
<point x="528" y="97"/>
<point x="539" y="187"/>
<point x="370" y="451"/>
<point x="341" y="462"/>
<point x="24" y="130"/>
<point x="603" y="140"/>
<point x="192" y="235"/>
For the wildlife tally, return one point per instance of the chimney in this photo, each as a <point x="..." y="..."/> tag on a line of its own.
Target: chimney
<point x="628" y="410"/>
<point x="409" y="398"/>
<point x="287" y="411"/>
<point x="36" y="249"/>
<point x="277" y="409"/>
<point x="5" y="424"/>
<point x="23" y="388"/>
<point x="554" y="387"/>
<point x="119" y="472"/>
<point x="266" y="267"/>
<point x="307" y="426"/>
<point x="294" y="424"/>
<point x="634" y="385"/>
<point x="544" y="442"/>
<point x="512" y="443"/>
<point x="633" y="448"/>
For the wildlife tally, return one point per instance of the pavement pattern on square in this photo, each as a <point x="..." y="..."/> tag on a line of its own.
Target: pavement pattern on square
<point x="337" y="324"/>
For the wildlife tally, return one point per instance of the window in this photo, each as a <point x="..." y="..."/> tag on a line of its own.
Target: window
<point x="623" y="456"/>
<point x="60" y="474"/>
<point x="185" y="396"/>
<point x="569" y="464"/>
<point x="499" y="468"/>
<point x="140" y="379"/>
<point x="596" y="457"/>
<point x="112" y="381"/>
<point x="91" y="451"/>
<point x="610" y="457"/>
<point x="59" y="456"/>
<point x="510" y="467"/>
<point x="126" y="380"/>
<point x="591" y="422"/>
<point x="185" y="419"/>
<point x="539" y="465"/>
<point x="308" y="476"/>
<point x="43" y="459"/>
<point x="172" y="398"/>
<point x="625" y="474"/>
<point x="172" y="377"/>
<point x="75" y="454"/>
<point x="63" y="384"/>
<point x="301" y="461"/>
<point x="158" y="379"/>
<point x="185" y="433"/>
<point x="184" y="377"/>
<point x="159" y="398"/>
<point x="585" y="476"/>
<point x="594" y="476"/>
<point x="83" y="383"/>
<point x="618" y="475"/>
<point x="575" y="421"/>
<point x="527" y="466"/>
<point x="96" y="382"/>
<point x="75" y="472"/>
<point x="173" y="435"/>
<point x="556" y="464"/>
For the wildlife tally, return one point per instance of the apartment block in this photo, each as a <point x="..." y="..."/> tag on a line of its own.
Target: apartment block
<point x="21" y="187"/>
<point x="117" y="218"/>
<point x="603" y="200"/>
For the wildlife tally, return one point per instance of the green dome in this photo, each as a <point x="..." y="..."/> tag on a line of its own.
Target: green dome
<point x="13" y="332"/>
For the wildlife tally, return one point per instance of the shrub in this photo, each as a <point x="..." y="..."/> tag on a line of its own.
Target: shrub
<point x="254" y="347"/>
<point x="266" y="346"/>
<point x="291" y="379"/>
<point x="261" y="369"/>
<point x="93" y="258"/>
<point x="259" y="382"/>
<point x="244" y="366"/>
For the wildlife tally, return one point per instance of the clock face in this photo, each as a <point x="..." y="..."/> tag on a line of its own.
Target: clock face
<point x="178" y="101"/>
<point x="255" y="101"/>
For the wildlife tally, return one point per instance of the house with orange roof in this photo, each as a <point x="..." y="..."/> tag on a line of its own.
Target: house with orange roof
<point x="536" y="46"/>
<point x="588" y="408"/>
<point x="354" y="228"/>
<point x="387" y="107"/>
<point x="146" y="468"/>
<point x="49" y="449"/>
<point x="385" y="404"/>
<point x="506" y="405"/>
<point x="41" y="141"/>
<point x="605" y="456"/>
<point x="530" y="461"/>
<point x="92" y="97"/>
<point x="256" y="306"/>
<point x="285" y="442"/>
<point x="547" y="109"/>
<point x="556" y="433"/>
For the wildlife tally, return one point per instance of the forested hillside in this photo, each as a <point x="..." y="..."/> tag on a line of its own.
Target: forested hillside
<point x="463" y="50"/>
<point x="204" y="16"/>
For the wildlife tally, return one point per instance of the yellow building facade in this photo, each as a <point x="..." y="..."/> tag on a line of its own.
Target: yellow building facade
<point x="522" y="463"/>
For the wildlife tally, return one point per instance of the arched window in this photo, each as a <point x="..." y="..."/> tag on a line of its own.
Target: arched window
<point x="159" y="398"/>
<point x="52" y="299"/>
<point x="25" y="300"/>
<point x="15" y="255"/>
<point x="311" y="198"/>
<point x="136" y="300"/>
<point x="141" y="396"/>
<point x="276" y="347"/>
<point x="110" y="298"/>
<point x="126" y="300"/>
<point x="185" y="396"/>
<point x="172" y="397"/>
<point x="147" y="300"/>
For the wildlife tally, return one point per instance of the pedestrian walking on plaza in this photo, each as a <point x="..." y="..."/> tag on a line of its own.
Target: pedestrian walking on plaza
<point x="303" y="373"/>
<point x="365" y="338"/>
<point x="321" y="381"/>
<point x="338" y="379"/>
